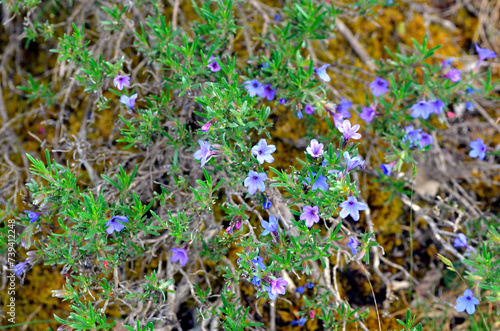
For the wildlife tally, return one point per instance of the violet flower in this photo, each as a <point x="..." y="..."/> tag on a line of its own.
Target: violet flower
<point x="271" y="226"/>
<point x="121" y="80"/>
<point x="205" y="127"/>
<point x="437" y="105"/>
<point x="349" y="132"/>
<point x="278" y="286"/>
<point x="387" y="168"/>
<point x="33" y="215"/>
<point x="343" y="108"/>
<point x="268" y="93"/>
<point x="309" y="110"/>
<point x="204" y="154"/>
<point x="461" y="241"/>
<point x="213" y="65"/>
<point x="315" y="149"/>
<point x="19" y="268"/>
<point x="320" y="182"/>
<point x="353" y="244"/>
<point x="180" y="255"/>
<point x="485" y="53"/>
<point x="255" y="181"/>
<point x="368" y="114"/>
<point x="453" y="75"/>
<point x="262" y="152"/>
<point x="115" y="223"/>
<point x="422" y="109"/>
<point x="129" y="101"/>
<point x="351" y="207"/>
<point x="352" y="163"/>
<point x="310" y="215"/>
<point x="379" y="86"/>
<point x="258" y="260"/>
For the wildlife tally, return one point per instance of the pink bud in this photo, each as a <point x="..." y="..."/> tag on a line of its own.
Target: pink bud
<point x="311" y="314"/>
<point x="238" y="224"/>
<point x="206" y="126"/>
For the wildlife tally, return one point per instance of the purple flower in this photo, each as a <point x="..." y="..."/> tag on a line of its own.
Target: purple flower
<point x="283" y="100"/>
<point x="302" y="321"/>
<point x="379" y="86"/>
<point x="115" y="223"/>
<point x="262" y="152"/>
<point x="19" y="268"/>
<point x="453" y="75"/>
<point x="33" y="215"/>
<point x="309" y="110"/>
<point x="322" y="74"/>
<point x="461" y="241"/>
<point x="204" y="154"/>
<point x="425" y="140"/>
<point x="467" y="302"/>
<point x="205" y="127"/>
<point x="315" y="149"/>
<point x="129" y="101"/>
<point x="213" y="65"/>
<point x="353" y="244"/>
<point x="120" y="81"/>
<point x="271" y="226"/>
<point x="268" y="93"/>
<point x="299" y="115"/>
<point x="271" y="296"/>
<point x="387" y="168"/>
<point x="367" y="114"/>
<point x="254" y="87"/>
<point x="278" y="286"/>
<point x="255" y="181"/>
<point x="343" y="108"/>
<point x="310" y="214"/>
<point x="351" y="207"/>
<point x="352" y="163"/>
<point x="266" y="204"/>
<point x="485" y="53"/>
<point x="422" y="109"/>
<point x="413" y="135"/>
<point x="300" y="289"/>
<point x="260" y="262"/>
<point x="437" y="105"/>
<point x="180" y="255"/>
<point x="478" y="149"/>
<point x="320" y="182"/>
<point x="349" y="132"/>
<point x="338" y="119"/>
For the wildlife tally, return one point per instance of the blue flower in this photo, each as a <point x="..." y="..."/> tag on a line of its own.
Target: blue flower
<point x="299" y="115"/>
<point x="461" y="241"/>
<point x="269" y="293"/>
<point x="260" y="262"/>
<point x="320" y="182"/>
<point x="422" y="109"/>
<point x="115" y="223"/>
<point x="478" y="149"/>
<point x="19" y="268"/>
<point x="302" y="321"/>
<point x="268" y="93"/>
<point x="255" y="181"/>
<point x="271" y="226"/>
<point x="379" y="86"/>
<point x="343" y="108"/>
<point x="353" y="244"/>
<point x="352" y="163"/>
<point x="351" y="207"/>
<point x="254" y="87"/>
<point x="256" y="281"/>
<point x="367" y="114"/>
<point x="33" y="215"/>
<point x="470" y="90"/>
<point x="266" y="204"/>
<point x="310" y="285"/>
<point x="387" y="168"/>
<point x="283" y="100"/>
<point x="294" y="323"/>
<point x="129" y="101"/>
<point x="262" y="151"/>
<point x="485" y="53"/>
<point x="469" y="106"/>
<point x="180" y="255"/>
<point x="413" y="135"/>
<point x="277" y="17"/>
<point x="300" y="289"/>
<point x="425" y="140"/>
<point x="467" y="302"/>
<point x="322" y="74"/>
